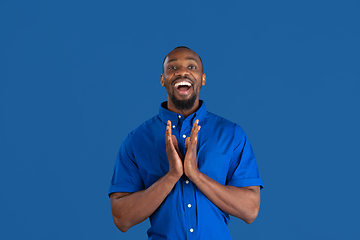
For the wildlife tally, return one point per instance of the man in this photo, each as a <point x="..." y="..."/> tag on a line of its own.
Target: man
<point x="186" y="169"/>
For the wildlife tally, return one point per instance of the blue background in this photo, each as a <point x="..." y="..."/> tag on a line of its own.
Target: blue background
<point x="77" y="77"/>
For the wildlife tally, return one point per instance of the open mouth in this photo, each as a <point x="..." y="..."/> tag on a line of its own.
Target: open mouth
<point x="183" y="87"/>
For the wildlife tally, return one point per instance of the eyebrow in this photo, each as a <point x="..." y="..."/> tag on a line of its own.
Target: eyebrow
<point x="174" y="60"/>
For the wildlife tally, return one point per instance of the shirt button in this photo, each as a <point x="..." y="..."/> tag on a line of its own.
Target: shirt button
<point x="191" y="230"/>
<point x="187" y="181"/>
<point x="173" y="126"/>
<point x="179" y="116"/>
<point x="189" y="205"/>
<point x="184" y="136"/>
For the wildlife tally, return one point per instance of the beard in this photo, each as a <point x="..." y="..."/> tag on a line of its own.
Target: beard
<point x="183" y="104"/>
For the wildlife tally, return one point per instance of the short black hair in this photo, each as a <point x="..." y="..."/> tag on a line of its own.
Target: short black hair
<point x="188" y="49"/>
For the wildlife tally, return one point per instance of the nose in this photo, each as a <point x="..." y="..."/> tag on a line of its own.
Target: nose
<point x="182" y="71"/>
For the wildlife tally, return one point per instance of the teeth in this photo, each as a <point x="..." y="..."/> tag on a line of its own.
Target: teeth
<point x="182" y="84"/>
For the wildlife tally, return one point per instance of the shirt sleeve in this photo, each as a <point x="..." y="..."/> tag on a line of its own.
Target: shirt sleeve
<point x="243" y="171"/>
<point x="126" y="176"/>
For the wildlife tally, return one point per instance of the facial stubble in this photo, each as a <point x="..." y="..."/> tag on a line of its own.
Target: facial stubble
<point x="182" y="105"/>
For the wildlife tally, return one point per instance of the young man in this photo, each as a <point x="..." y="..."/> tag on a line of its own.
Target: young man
<point x="186" y="169"/>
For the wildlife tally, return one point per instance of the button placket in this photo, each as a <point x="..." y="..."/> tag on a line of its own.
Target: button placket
<point x="188" y="188"/>
<point x="190" y="207"/>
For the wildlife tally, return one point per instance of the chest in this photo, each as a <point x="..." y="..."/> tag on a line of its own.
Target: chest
<point x="214" y="153"/>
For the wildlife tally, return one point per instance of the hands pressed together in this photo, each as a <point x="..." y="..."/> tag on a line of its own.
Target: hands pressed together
<point x="130" y="209"/>
<point x="179" y="164"/>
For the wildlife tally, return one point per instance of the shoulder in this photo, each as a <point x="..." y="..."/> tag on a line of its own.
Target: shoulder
<point x="225" y="130"/>
<point x="218" y="121"/>
<point x="145" y="128"/>
<point x="220" y="134"/>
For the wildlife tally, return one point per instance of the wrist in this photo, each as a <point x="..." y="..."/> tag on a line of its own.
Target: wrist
<point x="173" y="176"/>
<point x="195" y="176"/>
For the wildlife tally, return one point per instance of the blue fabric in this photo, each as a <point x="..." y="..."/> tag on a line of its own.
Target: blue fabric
<point x="224" y="154"/>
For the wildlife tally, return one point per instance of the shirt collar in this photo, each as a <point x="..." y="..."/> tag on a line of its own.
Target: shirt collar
<point x="166" y="114"/>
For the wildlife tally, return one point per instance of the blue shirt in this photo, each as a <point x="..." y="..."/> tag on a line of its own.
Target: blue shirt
<point x="224" y="154"/>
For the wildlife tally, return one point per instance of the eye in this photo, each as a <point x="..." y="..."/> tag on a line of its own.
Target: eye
<point x="172" y="67"/>
<point x="192" y="67"/>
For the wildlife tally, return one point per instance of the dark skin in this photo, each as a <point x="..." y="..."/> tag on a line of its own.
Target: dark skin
<point x="182" y="65"/>
<point x="129" y="209"/>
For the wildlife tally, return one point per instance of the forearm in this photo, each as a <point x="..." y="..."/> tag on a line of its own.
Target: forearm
<point x="242" y="202"/>
<point x="133" y="208"/>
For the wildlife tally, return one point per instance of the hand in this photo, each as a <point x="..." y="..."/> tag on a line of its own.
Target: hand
<point x="190" y="162"/>
<point x="173" y="154"/>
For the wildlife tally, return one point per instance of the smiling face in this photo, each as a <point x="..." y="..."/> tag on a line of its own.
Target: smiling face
<point x="183" y="77"/>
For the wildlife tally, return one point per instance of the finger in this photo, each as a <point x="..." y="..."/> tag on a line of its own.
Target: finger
<point x="196" y="123"/>
<point x="175" y="143"/>
<point x="168" y="138"/>
<point x="168" y="129"/>
<point x="168" y="132"/>
<point x="170" y="149"/>
<point x="187" y="142"/>
<point x="171" y="141"/>
<point x="195" y="132"/>
<point x="192" y="142"/>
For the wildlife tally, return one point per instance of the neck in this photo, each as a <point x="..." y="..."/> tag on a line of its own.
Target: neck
<point x="185" y="113"/>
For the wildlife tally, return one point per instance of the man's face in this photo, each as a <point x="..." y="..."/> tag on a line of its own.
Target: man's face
<point x="183" y="77"/>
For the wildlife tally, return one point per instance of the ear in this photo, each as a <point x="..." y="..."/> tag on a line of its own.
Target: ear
<point x="162" y="80"/>
<point x="203" y="80"/>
